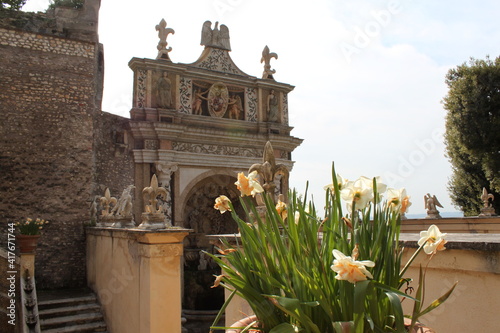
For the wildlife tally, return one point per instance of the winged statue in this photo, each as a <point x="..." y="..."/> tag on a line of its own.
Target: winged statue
<point x="218" y="38"/>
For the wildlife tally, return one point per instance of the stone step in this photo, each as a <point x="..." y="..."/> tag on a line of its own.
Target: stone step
<point x="70" y="311"/>
<point x="46" y="313"/>
<point x="65" y="302"/>
<point x="82" y="328"/>
<point x="62" y="321"/>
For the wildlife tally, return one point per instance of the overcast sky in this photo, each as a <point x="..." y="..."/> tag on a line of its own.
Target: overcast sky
<point x="368" y="74"/>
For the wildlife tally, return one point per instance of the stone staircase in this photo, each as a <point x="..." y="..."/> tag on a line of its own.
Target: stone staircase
<point x="75" y="310"/>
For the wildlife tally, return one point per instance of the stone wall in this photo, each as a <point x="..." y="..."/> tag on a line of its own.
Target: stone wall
<point x="49" y="96"/>
<point x="114" y="166"/>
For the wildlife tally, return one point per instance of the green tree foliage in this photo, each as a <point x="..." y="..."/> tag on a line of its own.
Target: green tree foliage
<point x="473" y="132"/>
<point x="77" y="4"/>
<point x="12" y="4"/>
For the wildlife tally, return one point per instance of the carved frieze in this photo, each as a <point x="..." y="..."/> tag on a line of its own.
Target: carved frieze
<point x="285" y="109"/>
<point x="142" y="76"/>
<point x="251" y="104"/>
<point x="151" y="144"/>
<point x="216" y="149"/>
<point x="185" y="95"/>
<point x="218" y="60"/>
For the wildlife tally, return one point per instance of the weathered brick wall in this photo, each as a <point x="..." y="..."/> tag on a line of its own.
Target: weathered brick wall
<point x="114" y="164"/>
<point x="48" y="99"/>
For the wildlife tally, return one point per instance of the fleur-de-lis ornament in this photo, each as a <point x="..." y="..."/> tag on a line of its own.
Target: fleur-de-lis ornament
<point x="268" y="170"/>
<point x="150" y="195"/>
<point x="266" y="59"/>
<point x="106" y="201"/>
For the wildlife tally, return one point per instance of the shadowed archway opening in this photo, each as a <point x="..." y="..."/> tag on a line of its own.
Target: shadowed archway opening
<point x="199" y="300"/>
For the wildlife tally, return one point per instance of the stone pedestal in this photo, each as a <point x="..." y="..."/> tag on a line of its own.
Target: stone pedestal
<point x="152" y="221"/>
<point x="137" y="277"/>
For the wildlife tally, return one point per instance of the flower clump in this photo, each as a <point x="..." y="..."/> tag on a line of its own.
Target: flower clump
<point x="298" y="270"/>
<point x="30" y="226"/>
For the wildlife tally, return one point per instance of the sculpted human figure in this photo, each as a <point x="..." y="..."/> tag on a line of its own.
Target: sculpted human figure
<point x="163" y="91"/>
<point x="198" y="100"/>
<point x="235" y="107"/>
<point x="272" y="106"/>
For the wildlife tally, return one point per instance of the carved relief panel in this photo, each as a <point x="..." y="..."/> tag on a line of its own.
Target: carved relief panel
<point x="218" y="100"/>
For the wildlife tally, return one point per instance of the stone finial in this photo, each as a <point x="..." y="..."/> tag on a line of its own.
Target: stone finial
<point x="266" y="59"/>
<point x="214" y="37"/>
<point x="487" y="199"/>
<point x="163" y="32"/>
<point x="106" y="202"/>
<point x="153" y="216"/>
<point x="430" y="203"/>
<point x="269" y="170"/>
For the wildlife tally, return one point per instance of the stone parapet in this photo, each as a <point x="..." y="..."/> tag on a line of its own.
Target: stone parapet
<point x="136" y="275"/>
<point x="454" y="225"/>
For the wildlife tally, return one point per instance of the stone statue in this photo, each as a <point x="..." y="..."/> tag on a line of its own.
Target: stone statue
<point x="164" y="91"/>
<point x="123" y="207"/>
<point x="235" y="107"/>
<point x="198" y="100"/>
<point x="266" y="59"/>
<point x="272" y="106"/>
<point x="487" y="199"/>
<point x="163" y="32"/>
<point x="430" y="203"/>
<point x="215" y="37"/>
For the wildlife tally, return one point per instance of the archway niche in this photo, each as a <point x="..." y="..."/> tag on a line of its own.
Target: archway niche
<point x="199" y="214"/>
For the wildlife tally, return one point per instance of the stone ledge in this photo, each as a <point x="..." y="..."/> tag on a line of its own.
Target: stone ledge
<point x="477" y="225"/>
<point x="162" y="236"/>
<point x="459" y="241"/>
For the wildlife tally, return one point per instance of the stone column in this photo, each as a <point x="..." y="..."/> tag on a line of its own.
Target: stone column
<point x="164" y="172"/>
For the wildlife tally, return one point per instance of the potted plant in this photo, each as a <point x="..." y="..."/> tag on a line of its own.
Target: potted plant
<point x="29" y="232"/>
<point x="335" y="273"/>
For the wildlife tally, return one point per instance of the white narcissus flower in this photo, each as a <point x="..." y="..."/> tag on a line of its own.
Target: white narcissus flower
<point x="282" y="209"/>
<point x="433" y="239"/>
<point x="342" y="182"/>
<point x="222" y="204"/>
<point x="349" y="269"/>
<point x="248" y="185"/>
<point x="398" y="200"/>
<point x="358" y="193"/>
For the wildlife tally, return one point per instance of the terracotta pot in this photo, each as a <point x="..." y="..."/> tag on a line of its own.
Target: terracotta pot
<point x="27" y="243"/>
<point x="419" y="328"/>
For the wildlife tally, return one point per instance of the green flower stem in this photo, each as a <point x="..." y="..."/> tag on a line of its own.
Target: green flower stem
<point x="411" y="260"/>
